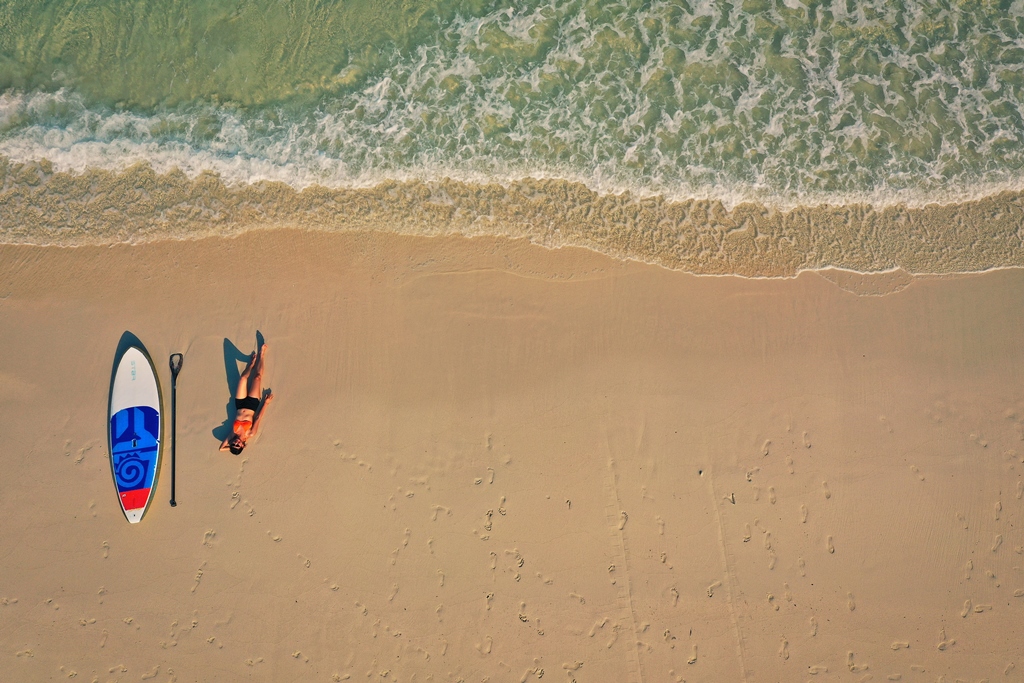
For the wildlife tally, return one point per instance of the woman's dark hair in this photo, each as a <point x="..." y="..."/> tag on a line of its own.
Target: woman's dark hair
<point x="235" y="450"/>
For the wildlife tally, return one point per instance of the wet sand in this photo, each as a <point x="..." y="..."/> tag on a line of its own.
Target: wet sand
<point x="44" y="206"/>
<point x="493" y="461"/>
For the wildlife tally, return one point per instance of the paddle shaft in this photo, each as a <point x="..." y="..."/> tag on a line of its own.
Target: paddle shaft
<point x="174" y="418"/>
<point x="175" y="369"/>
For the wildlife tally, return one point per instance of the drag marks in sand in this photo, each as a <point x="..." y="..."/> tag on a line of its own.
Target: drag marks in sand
<point x="618" y="571"/>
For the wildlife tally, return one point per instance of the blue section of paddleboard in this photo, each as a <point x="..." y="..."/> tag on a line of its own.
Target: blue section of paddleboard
<point x="134" y="447"/>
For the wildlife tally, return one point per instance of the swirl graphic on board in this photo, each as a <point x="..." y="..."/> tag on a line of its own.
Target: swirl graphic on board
<point x="131" y="472"/>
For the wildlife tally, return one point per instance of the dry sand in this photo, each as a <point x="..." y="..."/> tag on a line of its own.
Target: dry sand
<point x="490" y="461"/>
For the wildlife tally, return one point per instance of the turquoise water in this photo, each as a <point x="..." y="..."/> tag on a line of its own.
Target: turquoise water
<point x="783" y="103"/>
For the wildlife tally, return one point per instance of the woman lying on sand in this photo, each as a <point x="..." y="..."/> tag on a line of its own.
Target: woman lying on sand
<point x="249" y="408"/>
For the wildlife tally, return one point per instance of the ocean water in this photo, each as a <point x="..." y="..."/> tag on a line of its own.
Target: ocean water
<point x="758" y="137"/>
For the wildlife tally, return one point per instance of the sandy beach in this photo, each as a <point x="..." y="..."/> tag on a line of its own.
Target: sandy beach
<point x="491" y="461"/>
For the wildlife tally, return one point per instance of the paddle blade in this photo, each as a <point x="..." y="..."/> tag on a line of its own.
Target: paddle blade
<point x="176" y="360"/>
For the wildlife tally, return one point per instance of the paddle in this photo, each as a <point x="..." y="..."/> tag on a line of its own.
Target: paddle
<point x="176" y="360"/>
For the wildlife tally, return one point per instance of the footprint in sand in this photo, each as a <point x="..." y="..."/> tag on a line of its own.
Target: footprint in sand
<point x="669" y="638"/>
<point x="944" y="643"/>
<point x="484" y="648"/>
<point x="198" y="578"/>
<point x="597" y="626"/>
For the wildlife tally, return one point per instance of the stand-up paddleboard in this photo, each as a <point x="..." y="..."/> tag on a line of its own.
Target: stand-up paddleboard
<point x="135" y="427"/>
